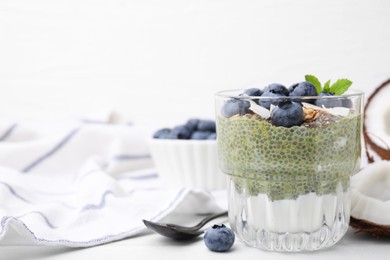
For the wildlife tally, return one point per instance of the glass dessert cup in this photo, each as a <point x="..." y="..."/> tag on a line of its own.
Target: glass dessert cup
<point x="289" y="186"/>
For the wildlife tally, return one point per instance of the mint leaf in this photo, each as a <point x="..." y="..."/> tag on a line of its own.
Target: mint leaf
<point x="327" y="86"/>
<point x="340" y="86"/>
<point x="317" y="84"/>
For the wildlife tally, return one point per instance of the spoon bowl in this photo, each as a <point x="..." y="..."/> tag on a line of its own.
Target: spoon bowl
<point x="178" y="232"/>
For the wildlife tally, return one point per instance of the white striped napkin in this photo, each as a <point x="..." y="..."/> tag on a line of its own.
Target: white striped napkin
<point x="83" y="184"/>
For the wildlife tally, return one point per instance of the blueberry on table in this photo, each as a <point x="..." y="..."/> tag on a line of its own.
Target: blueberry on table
<point x="206" y="125"/>
<point x="219" y="238"/>
<point x="277" y="89"/>
<point x="266" y="103"/>
<point x="235" y="107"/>
<point x="287" y="114"/>
<point x="180" y="132"/>
<point x="162" y="133"/>
<point x="328" y="103"/>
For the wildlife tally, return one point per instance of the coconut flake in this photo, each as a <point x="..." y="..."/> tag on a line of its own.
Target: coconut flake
<point x="335" y="111"/>
<point x="338" y="111"/>
<point x="261" y="111"/>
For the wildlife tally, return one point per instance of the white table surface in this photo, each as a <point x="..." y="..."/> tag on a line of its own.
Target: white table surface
<point x="151" y="246"/>
<point x="148" y="245"/>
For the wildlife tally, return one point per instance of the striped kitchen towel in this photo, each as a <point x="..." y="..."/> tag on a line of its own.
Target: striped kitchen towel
<point x="83" y="184"/>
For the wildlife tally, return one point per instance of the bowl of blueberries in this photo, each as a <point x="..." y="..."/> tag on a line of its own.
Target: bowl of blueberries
<point x="186" y="155"/>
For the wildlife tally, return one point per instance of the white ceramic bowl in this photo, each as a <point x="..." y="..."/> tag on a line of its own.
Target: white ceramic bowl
<point x="187" y="163"/>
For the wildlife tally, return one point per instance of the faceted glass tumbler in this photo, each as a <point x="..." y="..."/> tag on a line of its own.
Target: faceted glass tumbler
<point x="289" y="186"/>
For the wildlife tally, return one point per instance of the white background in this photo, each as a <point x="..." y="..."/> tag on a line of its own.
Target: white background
<point x="162" y="61"/>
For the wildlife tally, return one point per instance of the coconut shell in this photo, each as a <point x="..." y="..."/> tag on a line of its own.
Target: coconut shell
<point x="373" y="229"/>
<point x="371" y="146"/>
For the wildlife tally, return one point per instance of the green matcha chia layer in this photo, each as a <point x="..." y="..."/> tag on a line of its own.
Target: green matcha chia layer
<point x="287" y="162"/>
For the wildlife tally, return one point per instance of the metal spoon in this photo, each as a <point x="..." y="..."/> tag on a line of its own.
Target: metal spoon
<point x="181" y="232"/>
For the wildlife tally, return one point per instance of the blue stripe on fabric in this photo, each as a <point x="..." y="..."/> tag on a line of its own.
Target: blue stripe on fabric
<point x="55" y="149"/>
<point x="101" y="204"/>
<point x="13" y="192"/>
<point x="8" y="132"/>
<point x="3" y="220"/>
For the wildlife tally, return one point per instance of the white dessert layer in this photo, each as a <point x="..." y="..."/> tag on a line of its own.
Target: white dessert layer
<point x="307" y="213"/>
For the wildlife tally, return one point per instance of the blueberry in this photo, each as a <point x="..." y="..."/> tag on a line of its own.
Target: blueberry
<point x="273" y="90"/>
<point x="326" y="94"/>
<point x="277" y="89"/>
<point x="303" y="89"/>
<point x="162" y="133"/>
<point x="219" y="238"/>
<point x="328" y="103"/>
<point x="235" y="107"/>
<point x="347" y="102"/>
<point x="200" y="135"/>
<point x="287" y="114"/>
<point x="212" y="136"/>
<point x="206" y="125"/>
<point x="180" y="132"/>
<point x="192" y="124"/>
<point x="252" y="92"/>
<point x="267" y="102"/>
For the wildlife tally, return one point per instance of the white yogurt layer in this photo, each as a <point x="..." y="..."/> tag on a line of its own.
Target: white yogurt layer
<point x="307" y="213"/>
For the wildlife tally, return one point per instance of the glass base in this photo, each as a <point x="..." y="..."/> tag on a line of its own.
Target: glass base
<point x="307" y="223"/>
<point x="292" y="242"/>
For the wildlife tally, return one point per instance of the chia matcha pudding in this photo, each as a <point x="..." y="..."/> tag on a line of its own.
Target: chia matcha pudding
<point x="289" y="154"/>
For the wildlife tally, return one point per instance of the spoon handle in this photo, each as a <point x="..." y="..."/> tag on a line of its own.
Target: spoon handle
<point x="199" y="225"/>
<point x="206" y="220"/>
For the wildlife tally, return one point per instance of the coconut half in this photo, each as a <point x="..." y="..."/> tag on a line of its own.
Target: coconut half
<point x="376" y="128"/>
<point x="370" y="199"/>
